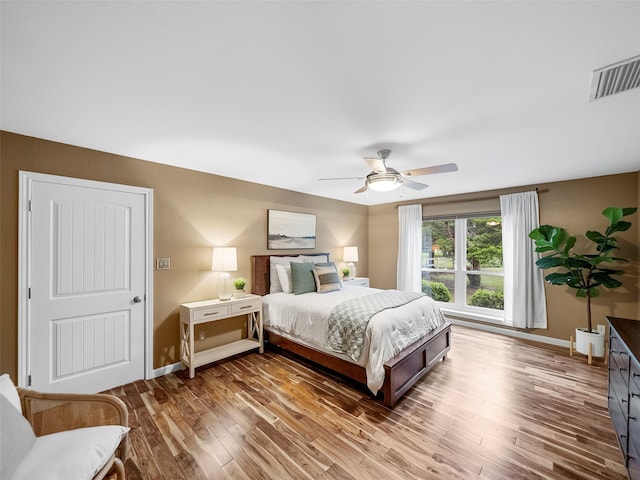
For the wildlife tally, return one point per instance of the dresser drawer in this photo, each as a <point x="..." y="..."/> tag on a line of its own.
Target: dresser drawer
<point x="619" y="358"/>
<point x="244" y="307"/>
<point x="634" y="416"/>
<point x="620" y="423"/>
<point x="634" y="373"/>
<point x="619" y="389"/>
<point x="633" y="463"/>
<point x="210" y="313"/>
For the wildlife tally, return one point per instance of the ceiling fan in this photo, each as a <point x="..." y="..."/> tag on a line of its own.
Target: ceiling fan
<point x="385" y="179"/>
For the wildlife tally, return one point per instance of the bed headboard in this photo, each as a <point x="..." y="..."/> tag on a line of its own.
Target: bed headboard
<point x="260" y="270"/>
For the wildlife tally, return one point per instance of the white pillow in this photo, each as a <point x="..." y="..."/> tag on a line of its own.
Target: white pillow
<point x="276" y="286"/>
<point x="77" y="454"/>
<point x="284" y="275"/>
<point x="16" y="438"/>
<point x="8" y="389"/>
<point x="315" y="258"/>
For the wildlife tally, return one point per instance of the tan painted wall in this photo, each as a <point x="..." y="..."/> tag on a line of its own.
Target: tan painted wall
<point x="192" y="212"/>
<point x="574" y="205"/>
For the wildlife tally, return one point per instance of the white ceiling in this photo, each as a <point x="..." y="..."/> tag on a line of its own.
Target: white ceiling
<point x="284" y="93"/>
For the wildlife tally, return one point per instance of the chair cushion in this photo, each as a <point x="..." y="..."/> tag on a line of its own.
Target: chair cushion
<point x="16" y="438"/>
<point x="74" y="454"/>
<point x="8" y="389"/>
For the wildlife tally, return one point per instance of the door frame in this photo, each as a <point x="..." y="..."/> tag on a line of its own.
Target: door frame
<point x="26" y="179"/>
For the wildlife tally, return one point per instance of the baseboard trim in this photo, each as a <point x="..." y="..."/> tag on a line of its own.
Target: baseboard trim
<point x="167" y="369"/>
<point x="511" y="333"/>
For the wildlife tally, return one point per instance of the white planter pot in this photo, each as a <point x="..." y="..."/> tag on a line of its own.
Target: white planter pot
<point x="583" y="338"/>
<point x="239" y="294"/>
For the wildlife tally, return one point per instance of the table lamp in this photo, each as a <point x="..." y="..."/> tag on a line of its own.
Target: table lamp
<point x="224" y="260"/>
<point x="350" y="255"/>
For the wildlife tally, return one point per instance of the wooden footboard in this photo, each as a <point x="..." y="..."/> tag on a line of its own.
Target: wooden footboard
<point x="410" y="365"/>
<point x="401" y="371"/>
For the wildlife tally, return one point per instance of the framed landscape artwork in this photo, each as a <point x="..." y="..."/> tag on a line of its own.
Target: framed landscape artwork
<point x="290" y="230"/>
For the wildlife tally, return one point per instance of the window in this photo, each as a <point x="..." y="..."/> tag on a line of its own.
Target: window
<point x="462" y="263"/>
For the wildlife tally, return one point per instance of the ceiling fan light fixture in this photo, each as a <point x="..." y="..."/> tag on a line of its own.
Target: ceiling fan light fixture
<point x="382" y="182"/>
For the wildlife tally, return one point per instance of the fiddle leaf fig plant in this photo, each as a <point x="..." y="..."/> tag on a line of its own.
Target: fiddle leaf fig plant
<point x="584" y="272"/>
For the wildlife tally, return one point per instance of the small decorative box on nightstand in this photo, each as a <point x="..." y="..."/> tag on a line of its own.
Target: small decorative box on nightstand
<point x="196" y="313"/>
<point x="358" y="281"/>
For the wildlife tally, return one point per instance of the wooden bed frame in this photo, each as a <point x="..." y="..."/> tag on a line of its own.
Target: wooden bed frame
<point x="401" y="371"/>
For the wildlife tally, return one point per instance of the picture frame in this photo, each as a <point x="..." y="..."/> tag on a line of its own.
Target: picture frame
<point x="290" y="230"/>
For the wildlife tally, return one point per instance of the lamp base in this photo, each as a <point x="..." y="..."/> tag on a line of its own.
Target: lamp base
<point x="224" y="288"/>
<point x="352" y="270"/>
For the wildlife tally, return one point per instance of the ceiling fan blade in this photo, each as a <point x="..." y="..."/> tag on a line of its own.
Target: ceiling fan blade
<point x="361" y="189"/>
<point x="414" y="185"/>
<point x="445" y="167"/>
<point x="343" y="178"/>
<point x="376" y="164"/>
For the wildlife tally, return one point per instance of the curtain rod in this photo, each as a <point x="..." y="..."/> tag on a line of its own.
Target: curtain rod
<point x="446" y="202"/>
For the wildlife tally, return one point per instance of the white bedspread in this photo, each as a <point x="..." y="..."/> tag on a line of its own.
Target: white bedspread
<point x="390" y="331"/>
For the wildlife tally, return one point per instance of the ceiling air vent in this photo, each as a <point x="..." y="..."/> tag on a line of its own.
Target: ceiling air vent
<point x="616" y="78"/>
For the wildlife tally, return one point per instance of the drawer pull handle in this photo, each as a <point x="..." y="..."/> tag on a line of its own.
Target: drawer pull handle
<point x="624" y="400"/>
<point x="632" y="418"/>
<point x="636" y="375"/>
<point x="623" y="353"/>
<point x="634" y="395"/>
<point x="623" y="369"/>
<point x="245" y="306"/>
<point x="211" y="313"/>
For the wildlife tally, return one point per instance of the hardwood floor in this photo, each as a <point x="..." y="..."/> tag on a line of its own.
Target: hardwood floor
<point x="497" y="408"/>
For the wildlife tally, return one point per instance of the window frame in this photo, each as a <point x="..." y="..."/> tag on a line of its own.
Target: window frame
<point x="459" y="306"/>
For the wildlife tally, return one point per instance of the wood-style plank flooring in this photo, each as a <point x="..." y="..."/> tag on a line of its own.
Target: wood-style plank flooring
<point x="496" y="408"/>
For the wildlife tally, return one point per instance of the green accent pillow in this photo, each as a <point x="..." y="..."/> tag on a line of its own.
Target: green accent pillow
<point x="302" y="277"/>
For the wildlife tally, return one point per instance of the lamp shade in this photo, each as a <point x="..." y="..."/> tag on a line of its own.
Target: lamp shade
<point x="350" y="254"/>
<point x="224" y="259"/>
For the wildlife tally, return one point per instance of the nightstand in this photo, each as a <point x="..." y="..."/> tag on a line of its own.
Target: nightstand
<point x="358" y="281"/>
<point x="197" y="313"/>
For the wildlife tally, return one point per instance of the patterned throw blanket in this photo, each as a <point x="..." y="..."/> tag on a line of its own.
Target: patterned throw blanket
<point x="349" y="319"/>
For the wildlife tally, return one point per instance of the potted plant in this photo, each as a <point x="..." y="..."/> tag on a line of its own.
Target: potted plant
<point x="239" y="284"/>
<point x="585" y="273"/>
<point x="345" y="272"/>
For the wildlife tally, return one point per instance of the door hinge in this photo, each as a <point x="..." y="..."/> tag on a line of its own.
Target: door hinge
<point x="29" y="293"/>
<point x="30" y="206"/>
<point x="29" y="381"/>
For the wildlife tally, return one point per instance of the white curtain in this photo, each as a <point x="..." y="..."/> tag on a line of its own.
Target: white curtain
<point x="524" y="299"/>
<point x="409" y="248"/>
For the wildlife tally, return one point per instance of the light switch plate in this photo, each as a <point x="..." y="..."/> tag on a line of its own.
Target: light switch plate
<point x="601" y="329"/>
<point x="163" y="263"/>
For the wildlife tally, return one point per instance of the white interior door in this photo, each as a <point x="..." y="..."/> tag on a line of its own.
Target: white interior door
<point x="86" y="267"/>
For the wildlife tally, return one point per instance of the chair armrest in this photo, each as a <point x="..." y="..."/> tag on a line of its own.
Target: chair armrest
<point x="56" y="412"/>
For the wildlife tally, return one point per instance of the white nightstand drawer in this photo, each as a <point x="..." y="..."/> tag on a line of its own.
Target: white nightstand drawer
<point x="243" y="307"/>
<point x="211" y="313"/>
<point x="358" y="282"/>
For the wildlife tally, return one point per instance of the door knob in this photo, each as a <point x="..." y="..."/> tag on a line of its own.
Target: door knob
<point x="137" y="299"/>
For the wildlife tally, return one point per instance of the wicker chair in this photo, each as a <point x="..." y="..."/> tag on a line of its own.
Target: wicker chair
<point x="50" y="413"/>
<point x="56" y="412"/>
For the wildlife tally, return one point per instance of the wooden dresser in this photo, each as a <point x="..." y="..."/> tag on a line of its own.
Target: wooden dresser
<point x="624" y="388"/>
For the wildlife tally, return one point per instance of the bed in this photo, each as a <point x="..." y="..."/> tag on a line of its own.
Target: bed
<point x="399" y="372"/>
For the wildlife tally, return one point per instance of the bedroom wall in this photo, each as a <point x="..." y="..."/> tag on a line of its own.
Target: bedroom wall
<point x="193" y="211"/>
<point x="575" y="205"/>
